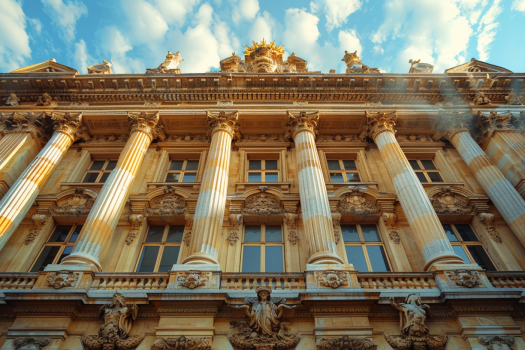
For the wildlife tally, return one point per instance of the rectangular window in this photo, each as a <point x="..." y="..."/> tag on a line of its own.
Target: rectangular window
<point x="364" y="248"/>
<point x="263" y="249"/>
<point x="161" y="248"/>
<point x="263" y="170"/>
<point x="99" y="170"/>
<point x="182" y="171"/>
<point x="343" y="170"/>
<point x="59" y="245"/>
<point x="467" y="245"/>
<point x="426" y="170"/>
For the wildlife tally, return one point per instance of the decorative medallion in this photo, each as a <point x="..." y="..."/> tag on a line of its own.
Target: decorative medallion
<point x="61" y="279"/>
<point x="464" y="278"/>
<point x="262" y="204"/>
<point x="192" y="279"/>
<point x="77" y="204"/>
<point x="332" y="279"/>
<point x="446" y="202"/>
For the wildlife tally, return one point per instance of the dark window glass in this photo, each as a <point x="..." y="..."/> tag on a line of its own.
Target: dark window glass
<point x="97" y="165"/>
<point x="349" y="165"/>
<point x="273" y="234"/>
<point x="175" y="233"/>
<point x="356" y="256"/>
<point x="46" y="257"/>
<point x="60" y="233"/>
<point x="434" y="176"/>
<point x="169" y="258"/>
<point x="155" y="233"/>
<point x="450" y="234"/>
<point x="189" y="177"/>
<point x="466" y="233"/>
<point x="75" y="234"/>
<point x="350" y="233"/>
<point x="273" y="259"/>
<point x="272" y="177"/>
<point x="333" y="165"/>
<point x="352" y="177"/>
<point x="176" y="164"/>
<point x="173" y="177"/>
<point x="255" y="165"/>
<point x="192" y="165"/>
<point x="254" y="177"/>
<point x="252" y="233"/>
<point x="428" y="165"/>
<point x="378" y="259"/>
<point x="148" y="259"/>
<point x="111" y="165"/>
<point x="67" y="251"/>
<point x="370" y="233"/>
<point x="251" y="259"/>
<point x="414" y="164"/>
<point x="421" y="177"/>
<point x="461" y="253"/>
<point x="481" y="258"/>
<point x="271" y="165"/>
<point x="336" y="177"/>
<point x="90" y="177"/>
<point x="104" y="177"/>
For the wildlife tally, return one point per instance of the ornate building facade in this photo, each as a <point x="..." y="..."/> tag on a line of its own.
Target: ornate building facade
<point x="262" y="207"/>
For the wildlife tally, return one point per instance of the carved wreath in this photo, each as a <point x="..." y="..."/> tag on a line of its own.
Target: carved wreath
<point x="262" y="204"/>
<point x="168" y="205"/>
<point x="192" y="279"/>
<point x="445" y="202"/>
<point x="61" y="279"/>
<point x="332" y="279"/>
<point x="465" y="278"/>
<point x="356" y="203"/>
<point x="77" y="204"/>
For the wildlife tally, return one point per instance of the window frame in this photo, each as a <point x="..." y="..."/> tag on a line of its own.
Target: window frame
<point x="464" y="244"/>
<point x="363" y="244"/>
<point x="62" y="245"/>
<point x="263" y="245"/>
<point x="263" y="170"/>
<point x="342" y="170"/>
<point x="161" y="246"/>
<point x="183" y="171"/>
<point x="100" y="172"/>
<point x="425" y="171"/>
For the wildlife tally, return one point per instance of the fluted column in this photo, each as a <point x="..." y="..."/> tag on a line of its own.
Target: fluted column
<point x="21" y="196"/>
<point x="107" y="209"/>
<point x="211" y="204"/>
<point x="317" y="217"/>
<point x="455" y="127"/>
<point x="423" y="220"/>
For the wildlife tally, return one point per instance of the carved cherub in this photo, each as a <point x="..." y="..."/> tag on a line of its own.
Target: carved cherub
<point x="12" y="100"/>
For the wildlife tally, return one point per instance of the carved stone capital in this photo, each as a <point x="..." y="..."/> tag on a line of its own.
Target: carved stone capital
<point x="31" y="343"/>
<point x="336" y="223"/>
<point x="39" y="220"/>
<point x="452" y="123"/>
<point x="23" y="122"/>
<point x="181" y="343"/>
<point x="70" y="124"/>
<point x="148" y="123"/>
<point x="188" y="228"/>
<point x="377" y="123"/>
<point x="235" y="223"/>
<point x="224" y="121"/>
<point x="302" y="122"/>
<point x="346" y="343"/>
<point x="490" y="122"/>
<point x="136" y="221"/>
<point x="487" y="219"/>
<point x="390" y="222"/>
<point x="290" y="219"/>
<point x="497" y="342"/>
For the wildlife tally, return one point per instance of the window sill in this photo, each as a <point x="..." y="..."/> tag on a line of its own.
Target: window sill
<point x="194" y="185"/>
<point x="95" y="185"/>
<point x="433" y="184"/>
<point x="243" y="186"/>
<point x="333" y="186"/>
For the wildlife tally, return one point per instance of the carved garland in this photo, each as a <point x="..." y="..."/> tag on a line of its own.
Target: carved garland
<point x="40" y="221"/>
<point x="332" y="279"/>
<point x="136" y="221"/>
<point x="290" y="218"/>
<point x="390" y="223"/>
<point x="192" y="279"/>
<point x="464" y="278"/>
<point x="346" y="343"/>
<point x="181" y="343"/>
<point x="235" y="222"/>
<point x="61" y="279"/>
<point x="487" y="219"/>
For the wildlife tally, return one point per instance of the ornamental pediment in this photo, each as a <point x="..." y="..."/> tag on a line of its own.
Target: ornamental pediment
<point x="475" y="66"/>
<point x="50" y="66"/>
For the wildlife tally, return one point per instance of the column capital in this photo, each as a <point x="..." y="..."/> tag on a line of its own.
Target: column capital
<point x="224" y="121"/>
<point x="148" y="123"/>
<point x="452" y="123"/>
<point x="70" y="124"/>
<point x="377" y="123"/>
<point x="490" y="122"/>
<point x="302" y="122"/>
<point x="33" y="123"/>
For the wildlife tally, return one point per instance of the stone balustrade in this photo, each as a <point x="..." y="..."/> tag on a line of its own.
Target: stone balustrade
<point x="21" y="280"/>
<point x="393" y="280"/>
<point x="277" y="281"/>
<point x="506" y="279"/>
<point x="130" y="281"/>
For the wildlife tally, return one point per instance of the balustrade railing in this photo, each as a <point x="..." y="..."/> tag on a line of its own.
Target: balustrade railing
<point x="253" y="280"/>
<point x="397" y="280"/>
<point x="505" y="279"/>
<point x="124" y="281"/>
<point x="21" y="280"/>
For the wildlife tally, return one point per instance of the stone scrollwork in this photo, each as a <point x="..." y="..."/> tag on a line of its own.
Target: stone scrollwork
<point x="487" y="219"/>
<point x="224" y="121"/>
<point x="77" y="204"/>
<point x="189" y="228"/>
<point x="265" y="330"/>
<point x="414" y="333"/>
<point x="390" y="223"/>
<point x="147" y="122"/>
<point x="262" y="204"/>
<point x="346" y="343"/>
<point x="464" y="278"/>
<point x="136" y="222"/>
<point x="377" y="123"/>
<point x="235" y="223"/>
<point x="446" y="202"/>
<point x="114" y="333"/>
<point x="290" y="218"/>
<point x="336" y="223"/>
<point x="356" y="203"/>
<point x="192" y="279"/>
<point x="181" y="343"/>
<point x="332" y="279"/>
<point x="31" y="343"/>
<point x="39" y="220"/>
<point x="61" y="279"/>
<point x="302" y="121"/>
<point x="170" y="204"/>
<point x="71" y="125"/>
<point x="497" y="342"/>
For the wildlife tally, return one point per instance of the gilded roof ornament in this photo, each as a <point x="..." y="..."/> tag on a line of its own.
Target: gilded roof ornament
<point x="418" y="67"/>
<point x="102" y="68"/>
<point x="170" y="64"/>
<point x="354" y="64"/>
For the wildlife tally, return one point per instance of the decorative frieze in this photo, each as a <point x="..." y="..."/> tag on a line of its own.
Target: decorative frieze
<point x="31" y="343"/>
<point x="181" y="343"/>
<point x="39" y="220"/>
<point x="77" y="204"/>
<point x="339" y="138"/>
<point x="136" y="222"/>
<point x="464" y="278"/>
<point x="262" y="204"/>
<point x="262" y="138"/>
<point x="61" y="279"/>
<point x="189" y="138"/>
<point x="192" y="279"/>
<point x="346" y="343"/>
<point x="109" y="138"/>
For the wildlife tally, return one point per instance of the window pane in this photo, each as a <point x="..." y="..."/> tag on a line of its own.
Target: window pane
<point x="356" y="256"/>
<point x="176" y="164"/>
<point x="252" y="233"/>
<point x="66" y="252"/>
<point x="461" y="252"/>
<point x="46" y="257"/>
<point x="169" y="258"/>
<point x="103" y="178"/>
<point x="273" y="259"/>
<point x="271" y="177"/>
<point x="428" y="164"/>
<point x="480" y="256"/>
<point x="175" y="233"/>
<point x="414" y="164"/>
<point x="97" y="165"/>
<point x="74" y="235"/>
<point x="273" y="233"/>
<point x="173" y="177"/>
<point x="189" y="177"/>
<point x="377" y="257"/>
<point x="60" y="233"/>
<point x="333" y="165"/>
<point x="349" y="165"/>
<point x="271" y="165"/>
<point x="90" y="177"/>
<point x="435" y="176"/>
<point x="155" y="233"/>
<point x="352" y="177"/>
<point x="370" y="233"/>
<point x="251" y="259"/>
<point x="192" y="165"/>
<point x="148" y="259"/>
<point x="450" y="234"/>
<point x="254" y="177"/>
<point x="111" y="165"/>
<point x="466" y="233"/>
<point x="350" y="233"/>
<point x="336" y="177"/>
<point x="255" y="165"/>
<point x="421" y="177"/>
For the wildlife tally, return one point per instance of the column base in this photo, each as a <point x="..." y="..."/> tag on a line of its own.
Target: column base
<point x="325" y="258"/>
<point x="444" y="260"/>
<point x="200" y="259"/>
<point x="80" y="259"/>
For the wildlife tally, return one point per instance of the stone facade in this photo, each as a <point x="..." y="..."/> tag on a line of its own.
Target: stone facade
<point x="262" y="207"/>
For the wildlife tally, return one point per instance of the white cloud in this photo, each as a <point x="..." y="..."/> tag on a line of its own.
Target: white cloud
<point x="14" y="41"/>
<point x="146" y="25"/>
<point x="245" y="10"/>
<point x="114" y="44"/>
<point x="65" y="15"/>
<point x="175" y="12"/>
<point x="336" y="11"/>
<point x="81" y="57"/>
<point x="349" y="40"/>
<point x="378" y="49"/>
<point x="519" y="5"/>
<point x="37" y="25"/>
<point x="487" y="29"/>
<point x="262" y="28"/>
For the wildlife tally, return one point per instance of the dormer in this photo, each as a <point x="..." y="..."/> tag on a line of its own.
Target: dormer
<point x="50" y="66"/>
<point x="475" y="66"/>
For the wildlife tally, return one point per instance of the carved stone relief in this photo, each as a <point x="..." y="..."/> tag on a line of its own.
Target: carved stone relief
<point x="290" y="219"/>
<point x="170" y="204"/>
<point x="356" y="203"/>
<point x="262" y="138"/>
<point x="31" y="343"/>
<point x="480" y="99"/>
<point x="61" y="279"/>
<point x="181" y="343"/>
<point x="77" y="204"/>
<point x="464" y="278"/>
<point x="235" y="223"/>
<point x="332" y="279"/>
<point x="136" y="222"/>
<point x="46" y="100"/>
<point x="498" y="342"/>
<point x="487" y="219"/>
<point x="262" y="204"/>
<point x="336" y="223"/>
<point x="513" y="99"/>
<point x="189" y="228"/>
<point x="109" y="138"/>
<point x="39" y="220"/>
<point x="346" y="343"/>
<point x="170" y="64"/>
<point x="192" y="279"/>
<point x="338" y="138"/>
<point x="189" y="138"/>
<point x="414" y="138"/>
<point x="390" y="223"/>
<point x="446" y="202"/>
<point x="12" y="100"/>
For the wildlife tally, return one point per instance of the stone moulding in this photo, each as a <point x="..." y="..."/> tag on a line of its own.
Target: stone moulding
<point x="346" y="343"/>
<point x="31" y="343"/>
<point x="181" y="343"/>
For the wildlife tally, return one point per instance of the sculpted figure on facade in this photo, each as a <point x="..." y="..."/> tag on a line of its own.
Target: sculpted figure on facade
<point x="354" y="64"/>
<point x="46" y="100"/>
<point x="513" y="99"/>
<point x="102" y="68"/>
<point x="181" y="343"/>
<point x="265" y="329"/>
<point x="418" y="67"/>
<point x="12" y="100"/>
<point x="414" y="333"/>
<point x="346" y="343"/>
<point x="481" y="99"/>
<point x="114" y="333"/>
<point x="170" y="65"/>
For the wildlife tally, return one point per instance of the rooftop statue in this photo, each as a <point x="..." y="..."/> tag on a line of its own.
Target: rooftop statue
<point x="170" y="65"/>
<point x="103" y="68"/>
<point x="263" y="58"/>
<point x="417" y="67"/>
<point x="354" y="64"/>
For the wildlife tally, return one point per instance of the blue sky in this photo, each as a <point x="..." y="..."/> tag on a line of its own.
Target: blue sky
<point x="136" y="34"/>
